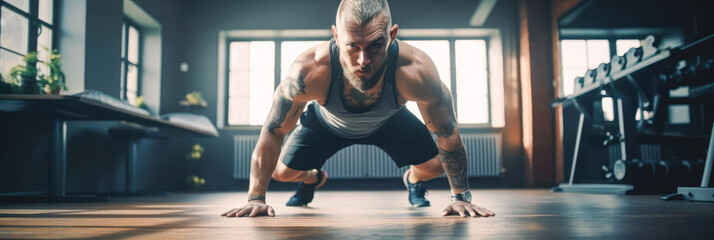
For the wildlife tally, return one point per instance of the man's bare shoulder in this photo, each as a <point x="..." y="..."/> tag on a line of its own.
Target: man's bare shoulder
<point x="417" y="77"/>
<point x="312" y="68"/>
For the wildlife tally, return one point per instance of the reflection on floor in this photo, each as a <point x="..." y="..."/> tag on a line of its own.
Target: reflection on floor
<point x="522" y="214"/>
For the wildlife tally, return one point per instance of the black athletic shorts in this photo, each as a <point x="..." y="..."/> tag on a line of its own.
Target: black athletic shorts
<point x="403" y="137"/>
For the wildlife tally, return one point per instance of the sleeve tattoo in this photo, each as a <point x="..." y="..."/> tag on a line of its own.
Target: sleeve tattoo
<point x="446" y="129"/>
<point x="454" y="163"/>
<point x="283" y="101"/>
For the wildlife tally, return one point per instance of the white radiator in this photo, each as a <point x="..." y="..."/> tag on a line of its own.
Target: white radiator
<point x="365" y="161"/>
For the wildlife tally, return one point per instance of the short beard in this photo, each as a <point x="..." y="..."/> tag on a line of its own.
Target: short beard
<point x="363" y="84"/>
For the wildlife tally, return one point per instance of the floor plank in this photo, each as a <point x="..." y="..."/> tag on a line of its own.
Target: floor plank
<point x="363" y="215"/>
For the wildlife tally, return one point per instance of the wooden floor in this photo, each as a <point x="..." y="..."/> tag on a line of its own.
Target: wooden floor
<point x="520" y="214"/>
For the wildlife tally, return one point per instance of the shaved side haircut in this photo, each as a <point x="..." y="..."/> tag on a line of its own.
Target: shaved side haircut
<point x="364" y="11"/>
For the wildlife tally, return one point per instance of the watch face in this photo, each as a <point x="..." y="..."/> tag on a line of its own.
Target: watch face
<point x="467" y="196"/>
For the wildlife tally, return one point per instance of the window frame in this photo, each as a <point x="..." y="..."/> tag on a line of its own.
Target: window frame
<point x="452" y="67"/>
<point x="34" y="22"/>
<point x="278" y="45"/>
<point x="278" y="50"/>
<point x="126" y="25"/>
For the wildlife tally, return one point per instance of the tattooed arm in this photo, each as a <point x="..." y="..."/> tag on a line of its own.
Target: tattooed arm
<point x="305" y="82"/>
<point x="418" y="80"/>
<point x="440" y="119"/>
<point x="282" y="118"/>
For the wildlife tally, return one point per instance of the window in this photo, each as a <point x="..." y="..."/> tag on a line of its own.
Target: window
<point x="471" y="76"/>
<point x="252" y="64"/>
<point x="26" y="26"/>
<point x="579" y="55"/>
<point x="130" y="62"/>
<point x="251" y="80"/>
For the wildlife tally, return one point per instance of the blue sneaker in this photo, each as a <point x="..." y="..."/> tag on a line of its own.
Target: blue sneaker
<point x="416" y="192"/>
<point x="305" y="192"/>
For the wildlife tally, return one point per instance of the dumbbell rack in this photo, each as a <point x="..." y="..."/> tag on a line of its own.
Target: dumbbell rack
<point x="653" y="60"/>
<point x="617" y="189"/>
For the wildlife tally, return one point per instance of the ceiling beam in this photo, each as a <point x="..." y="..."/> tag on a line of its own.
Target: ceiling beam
<point x="483" y="10"/>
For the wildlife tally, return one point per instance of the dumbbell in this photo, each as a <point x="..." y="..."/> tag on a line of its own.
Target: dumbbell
<point x="671" y="174"/>
<point x="635" y="172"/>
<point x="617" y="64"/>
<point x="578" y="83"/>
<point x="648" y="48"/>
<point x="661" y="177"/>
<point x="633" y="56"/>
<point x="704" y="72"/>
<point x="589" y="78"/>
<point x="681" y="76"/>
<point x="603" y="71"/>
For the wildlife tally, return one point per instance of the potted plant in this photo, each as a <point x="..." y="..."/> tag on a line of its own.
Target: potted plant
<point x="9" y="86"/>
<point x="26" y="74"/>
<point x="193" y="99"/>
<point x="55" y="82"/>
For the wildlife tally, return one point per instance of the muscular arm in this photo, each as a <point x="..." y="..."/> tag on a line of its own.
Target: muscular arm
<point x="439" y="117"/>
<point x="286" y="109"/>
<point x="418" y="80"/>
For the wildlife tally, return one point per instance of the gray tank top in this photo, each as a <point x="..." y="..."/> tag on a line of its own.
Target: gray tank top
<point x="335" y="117"/>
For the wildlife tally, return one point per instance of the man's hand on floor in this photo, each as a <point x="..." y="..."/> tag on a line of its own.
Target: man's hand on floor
<point x="251" y="209"/>
<point x="465" y="209"/>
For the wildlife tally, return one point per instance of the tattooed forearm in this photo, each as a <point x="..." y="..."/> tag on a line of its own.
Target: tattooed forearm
<point x="279" y="113"/>
<point x="445" y="130"/>
<point x="454" y="163"/>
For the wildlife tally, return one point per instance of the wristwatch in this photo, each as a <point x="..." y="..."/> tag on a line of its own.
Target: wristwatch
<point x="464" y="196"/>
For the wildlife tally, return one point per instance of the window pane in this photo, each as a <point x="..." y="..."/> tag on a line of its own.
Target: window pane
<point x="251" y="81"/>
<point x="471" y="81"/>
<point x="44" y="42"/>
<point x="574" y="53"/>
<point x="133" y="54"/>
<point x="8" y="60"/>
<point x="14" y="31"/>
<point x="132" y="83"/>
<point x="625" y="44"/>
<point x="289" y="50"/>
<point x="574" y="60"/>
<point x="438" y="51"/>
<point x="24" y="5"/>
<point x="45" y="13"/>
<point x="598" y="52"/>
<point x="569" y="75"/>
<point x="608" y="109"/>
